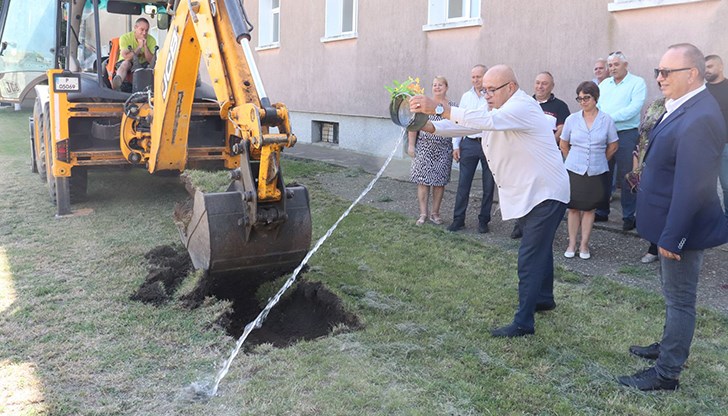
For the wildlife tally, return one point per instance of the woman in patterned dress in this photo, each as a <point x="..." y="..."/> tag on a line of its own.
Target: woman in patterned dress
<point x="432" y="161"/>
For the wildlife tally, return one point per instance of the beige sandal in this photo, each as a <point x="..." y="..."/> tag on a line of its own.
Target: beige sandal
<point x="435" y="218"/>
<point x="421" y="220"/>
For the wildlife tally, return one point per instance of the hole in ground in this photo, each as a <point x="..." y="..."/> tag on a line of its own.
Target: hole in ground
<point x="307" y="311"/>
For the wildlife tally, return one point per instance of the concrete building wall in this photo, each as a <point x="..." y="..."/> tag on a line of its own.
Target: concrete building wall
<point x="343" y="81"/>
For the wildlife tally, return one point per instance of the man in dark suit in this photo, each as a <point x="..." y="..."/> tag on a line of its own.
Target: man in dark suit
<point x="678" y="207"/>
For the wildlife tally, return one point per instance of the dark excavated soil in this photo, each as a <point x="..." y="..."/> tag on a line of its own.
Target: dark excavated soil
<point x="307" y="312"/>
<point x="168" y="267"/>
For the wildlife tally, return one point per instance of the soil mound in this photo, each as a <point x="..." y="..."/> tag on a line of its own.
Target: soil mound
<point x="311" y="311"/>
<point x="168" y="267"/>
<point x="308" y="311"/>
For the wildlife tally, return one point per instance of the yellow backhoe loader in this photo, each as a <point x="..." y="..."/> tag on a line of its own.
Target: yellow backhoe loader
<point x="170" y="121"/>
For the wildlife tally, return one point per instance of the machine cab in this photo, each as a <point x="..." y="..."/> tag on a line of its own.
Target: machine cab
<point x="28" y="45"/>
<point x="36" y="35"/>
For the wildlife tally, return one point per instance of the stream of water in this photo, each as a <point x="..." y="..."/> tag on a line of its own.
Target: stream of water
<point x="203" y="390"/>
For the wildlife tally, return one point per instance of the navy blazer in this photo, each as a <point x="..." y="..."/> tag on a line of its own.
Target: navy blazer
<point x="677" y="200"/>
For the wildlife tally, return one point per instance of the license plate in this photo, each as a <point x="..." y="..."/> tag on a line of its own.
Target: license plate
<point x="66" y="83"/>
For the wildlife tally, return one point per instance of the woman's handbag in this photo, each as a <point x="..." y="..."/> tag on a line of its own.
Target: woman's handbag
<point x="633" y="178"/>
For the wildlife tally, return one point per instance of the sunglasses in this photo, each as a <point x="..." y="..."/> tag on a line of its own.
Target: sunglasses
<point x="666" y="72"/>
<point x="583" y="99"/>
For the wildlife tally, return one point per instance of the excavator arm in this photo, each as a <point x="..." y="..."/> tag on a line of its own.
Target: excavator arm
<point x="259" y="224"/>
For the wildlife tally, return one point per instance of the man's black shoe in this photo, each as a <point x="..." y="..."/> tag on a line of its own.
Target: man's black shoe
<point x="648" y="380"/>
<point x="601" y="218"/>
<point x="517" y="232"/>
<point x="455" y="226"/>
<point x="545" y="306"/>
<point x="511" y="331"/>
<point x="650" y="352"/>
<point x="483" y="228"/>
<point x="629" y="224"/>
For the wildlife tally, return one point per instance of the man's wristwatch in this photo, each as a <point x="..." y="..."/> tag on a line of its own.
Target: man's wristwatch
<point x="439" y="110"/>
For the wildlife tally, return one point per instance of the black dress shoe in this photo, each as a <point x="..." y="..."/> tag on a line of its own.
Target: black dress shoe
<point x="648" y="380"/>
<point x="456" y="226"/>
<point x="483" y="228"/>
<point x="629" y="224"/>
<point x="650" y="352"/>
<point x="601" y="218"/>
<point x="511" y="331"/>
<point x="517" y="232"/>
<point x="545" y="306"/>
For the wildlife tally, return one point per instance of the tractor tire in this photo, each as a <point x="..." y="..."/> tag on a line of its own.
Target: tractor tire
<point x="33" y="158"/>
<point x="41" y="161"/>
<point x="63" y="191"/>
<point x="47" y="155"/>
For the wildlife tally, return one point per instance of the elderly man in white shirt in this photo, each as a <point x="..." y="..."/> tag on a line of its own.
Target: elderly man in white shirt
<point x="529" y="171"/>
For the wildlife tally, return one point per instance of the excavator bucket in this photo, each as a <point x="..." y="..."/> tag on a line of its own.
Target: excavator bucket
<point x="220" y="239"/>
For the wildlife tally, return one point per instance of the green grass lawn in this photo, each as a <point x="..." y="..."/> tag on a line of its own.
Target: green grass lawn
<point x="74" y="344"/>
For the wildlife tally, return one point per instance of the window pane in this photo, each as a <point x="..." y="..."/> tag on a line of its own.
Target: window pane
<point x="276" y="27"/>
<point x="347" y="18"/>
<point x="29" y="37"/>
<point x="455" y="9"/>
<point x="275" y="4"/>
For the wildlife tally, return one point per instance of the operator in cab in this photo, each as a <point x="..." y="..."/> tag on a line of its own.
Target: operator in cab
<point x="136" y="50"/>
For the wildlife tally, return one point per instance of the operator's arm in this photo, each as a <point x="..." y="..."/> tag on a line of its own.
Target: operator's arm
<point x="127" y="54"/>
<point x="126" y="46"/>
<point x="150" y="44"/>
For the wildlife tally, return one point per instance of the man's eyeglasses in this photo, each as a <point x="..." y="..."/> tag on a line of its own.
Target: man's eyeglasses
<point x="491" y="91"/>
<point x="583" y="99"/>
<point x="666" y="72"/>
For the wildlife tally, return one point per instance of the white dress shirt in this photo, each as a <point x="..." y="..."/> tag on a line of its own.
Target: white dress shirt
<point x="527" y="168"/>
<point x="470" y="101"/>
<point x="672" y="105"/>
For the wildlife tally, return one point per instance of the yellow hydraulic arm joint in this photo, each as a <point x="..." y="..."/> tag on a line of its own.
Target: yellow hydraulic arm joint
<point x="211" y="30"/>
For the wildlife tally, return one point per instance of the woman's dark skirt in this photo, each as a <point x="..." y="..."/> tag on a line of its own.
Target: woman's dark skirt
<point x="587" y="192"/>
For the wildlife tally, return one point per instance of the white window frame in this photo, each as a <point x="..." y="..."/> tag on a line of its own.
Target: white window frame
<point x="437" y="15"/>
<point x="266" y="18"/>
<point x="620" y="5"/>
<point x="333" y="30"/>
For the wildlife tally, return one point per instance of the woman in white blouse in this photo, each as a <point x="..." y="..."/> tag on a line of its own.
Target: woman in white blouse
<point x="588" y="141"/>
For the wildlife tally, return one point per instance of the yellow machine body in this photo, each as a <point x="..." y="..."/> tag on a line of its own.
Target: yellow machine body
<point x="259" y="224"/>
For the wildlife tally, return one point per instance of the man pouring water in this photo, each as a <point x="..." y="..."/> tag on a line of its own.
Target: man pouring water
<point x="529" y="171"/>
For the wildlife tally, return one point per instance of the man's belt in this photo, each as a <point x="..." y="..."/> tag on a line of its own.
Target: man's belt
<point x="477" y="139"/>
